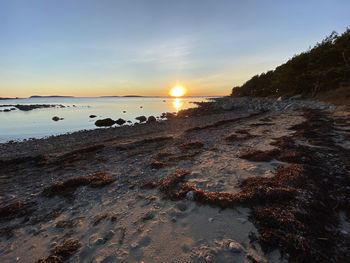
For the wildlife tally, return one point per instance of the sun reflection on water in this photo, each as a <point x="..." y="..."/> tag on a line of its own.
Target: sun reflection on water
<point x="178" y="104"/>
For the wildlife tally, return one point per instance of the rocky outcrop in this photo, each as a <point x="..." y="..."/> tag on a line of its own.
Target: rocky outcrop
<point x="141" y="119"/>
<point x="56" y="118"/>
<point x="120" y="121"/>
<point x="151" y="119"/>
<point x="105" y="122"/>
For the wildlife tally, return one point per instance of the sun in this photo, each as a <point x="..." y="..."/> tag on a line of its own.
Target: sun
<point x="177" y="91"/>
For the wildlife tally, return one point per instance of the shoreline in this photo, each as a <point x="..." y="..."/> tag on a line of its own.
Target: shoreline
<point x="225" y="181"/>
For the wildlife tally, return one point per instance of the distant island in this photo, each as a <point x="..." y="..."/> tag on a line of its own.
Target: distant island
<point x="1" y="98"/>
<point x="51" y="96"/>
<point x="126" y="96"/>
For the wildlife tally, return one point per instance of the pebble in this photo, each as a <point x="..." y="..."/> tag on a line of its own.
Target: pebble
<point x="344" y="232"/>
<point x="235" y="247"/>
<point x="53" y="244"/>
<point x="190" y="195"/>
<point x="148" y="216"/>
<point x="99" y="241"/>
<point x="134" y="245"/>
<point x="195" y="173"/>
<point x="209" y="258"/>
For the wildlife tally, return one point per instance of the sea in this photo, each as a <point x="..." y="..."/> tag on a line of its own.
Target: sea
<point x="18" y="125"/>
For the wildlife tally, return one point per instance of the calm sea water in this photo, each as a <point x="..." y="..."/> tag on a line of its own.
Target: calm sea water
<point x="38" y="123"/>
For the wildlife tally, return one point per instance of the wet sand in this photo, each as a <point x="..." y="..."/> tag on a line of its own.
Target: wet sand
<point x="224" y="186"/>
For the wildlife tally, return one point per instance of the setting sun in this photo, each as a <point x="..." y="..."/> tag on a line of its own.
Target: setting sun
<point x="178" y="91"/>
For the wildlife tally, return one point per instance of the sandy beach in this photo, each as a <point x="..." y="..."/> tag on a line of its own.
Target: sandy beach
<point x="238" y="180"/>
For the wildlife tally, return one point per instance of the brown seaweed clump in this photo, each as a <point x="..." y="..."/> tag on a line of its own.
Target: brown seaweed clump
<point x="61" y="253"/>
<point x="240" y="136"/>
<point x="191" y="145"/>
<point x="68" y="187"/>
<point x="297" y="209"/>
<point x="255" y="190"/>
<point x="285" y="155"/>
<point x="76" y="155"/>
<point x="15" y="209"/>
<point x="260" y="156"/>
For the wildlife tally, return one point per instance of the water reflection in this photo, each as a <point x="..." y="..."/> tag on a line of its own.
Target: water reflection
<point x="178" y="104"/>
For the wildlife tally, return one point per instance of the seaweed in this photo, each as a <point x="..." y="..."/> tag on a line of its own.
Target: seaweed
<point x="76" y="155"/>
<point x="191" y="145"/>
<point x="68" y="187"/>
<point x="296" y="210"/>
<point x="260" y="156"/>
<point x="16" y="209"/>
<point x="63" y="252"/>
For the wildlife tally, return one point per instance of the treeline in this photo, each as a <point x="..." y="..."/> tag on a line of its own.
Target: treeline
<point x="325" y="67"/>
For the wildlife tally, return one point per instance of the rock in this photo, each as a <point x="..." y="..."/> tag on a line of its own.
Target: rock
<point x="196" y="173"/>
<point x="105" y="122"/>
<point x="53" y="244"/>
<point x="210" y="220"/>
<point x="99" y="241"/>
<point x="124" y="111"/>
<point x="168" y="115"/>
<point x="190" y="195"/>
<point x="235" y="247"/>
<point x="141" y="119"/>
<point x="134" y="245"/>
<point x="344" y="232"/>
<point x="296" y="97"/>
<point x="55" y="118"/>
<point x="92" y="116"/>
<point x="7" y="110"/>
<point x="120" y="121"/>
<point x="148" y="216"/>
<point x="253" y="256"/>
<point x="209" y="258"/>
<point x="173" y="219"/>
<point x="151" y="119"/>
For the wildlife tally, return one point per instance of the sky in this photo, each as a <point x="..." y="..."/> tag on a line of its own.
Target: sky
<point x="144" y="47"/>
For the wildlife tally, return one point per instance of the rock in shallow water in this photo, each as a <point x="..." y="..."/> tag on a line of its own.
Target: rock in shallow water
<point x="151" y="119"/>
<point x="120" y="121"/>
<point x="141" y="119"/>
<point x="105" y="122"/>
<point x="55" y="118"/>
